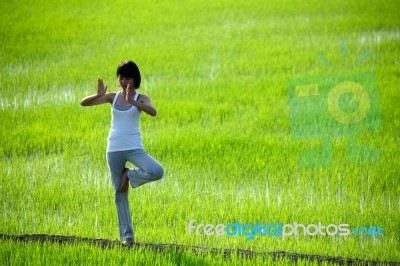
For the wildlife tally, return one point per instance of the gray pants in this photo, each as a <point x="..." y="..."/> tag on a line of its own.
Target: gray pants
<point x="148" y="170"/>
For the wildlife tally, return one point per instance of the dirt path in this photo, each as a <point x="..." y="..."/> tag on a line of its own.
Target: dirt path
<point x="160" y="247"/>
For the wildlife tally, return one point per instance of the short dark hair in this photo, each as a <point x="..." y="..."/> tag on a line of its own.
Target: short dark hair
<point x="129" y="69"/>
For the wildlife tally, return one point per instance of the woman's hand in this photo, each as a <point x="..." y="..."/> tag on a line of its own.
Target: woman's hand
<point x="130" y="93"/>
<point x="100" y="97"/>
<point x="101" y="89"/>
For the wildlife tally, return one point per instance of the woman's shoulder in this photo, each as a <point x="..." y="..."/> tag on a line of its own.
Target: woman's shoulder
<point x="142" y="97"/>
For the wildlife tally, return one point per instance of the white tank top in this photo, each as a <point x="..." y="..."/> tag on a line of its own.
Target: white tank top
<point x="124" y="132"/>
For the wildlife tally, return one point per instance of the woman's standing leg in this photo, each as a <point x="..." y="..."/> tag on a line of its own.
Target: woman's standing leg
<point x="116" y="163"/>
<point x="148" y="168"/>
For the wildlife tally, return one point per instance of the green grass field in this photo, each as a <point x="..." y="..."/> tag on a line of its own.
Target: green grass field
<point x="217" y="73"/>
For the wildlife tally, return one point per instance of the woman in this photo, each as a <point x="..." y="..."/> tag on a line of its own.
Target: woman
<point x="125" y="141"/>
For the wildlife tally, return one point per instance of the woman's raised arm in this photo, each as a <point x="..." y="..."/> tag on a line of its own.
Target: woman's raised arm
<point x="99" y="98"/>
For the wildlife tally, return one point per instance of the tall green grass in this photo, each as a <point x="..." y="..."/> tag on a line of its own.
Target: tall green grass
<point x="217" y="72"/>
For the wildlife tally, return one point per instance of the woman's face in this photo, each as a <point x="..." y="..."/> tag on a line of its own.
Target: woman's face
<point x="123" y="82"/>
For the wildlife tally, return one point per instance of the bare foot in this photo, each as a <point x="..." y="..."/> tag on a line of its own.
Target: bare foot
<point x="124" y="181"/>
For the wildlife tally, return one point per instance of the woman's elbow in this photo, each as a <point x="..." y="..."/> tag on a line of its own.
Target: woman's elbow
<point x="152" y="112"/>
<point x="84" y="103"/>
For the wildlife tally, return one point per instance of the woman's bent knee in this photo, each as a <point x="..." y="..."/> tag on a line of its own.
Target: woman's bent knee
<point x="158" y="173"/>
